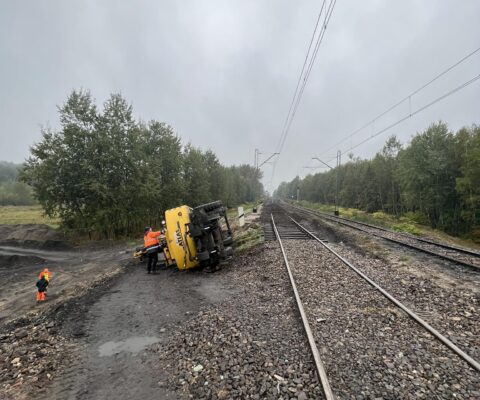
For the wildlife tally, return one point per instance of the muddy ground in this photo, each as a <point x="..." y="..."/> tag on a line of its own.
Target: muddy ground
<point x="88" y="340"/>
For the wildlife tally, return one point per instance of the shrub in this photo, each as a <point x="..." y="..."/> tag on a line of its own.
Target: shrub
<point x="416" y="216"/>
<point x="381" y="216"/>
<point x="408" y="228"/>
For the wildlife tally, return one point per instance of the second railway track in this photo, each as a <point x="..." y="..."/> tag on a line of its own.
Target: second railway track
<point x="370" y="347"/>
<point x="466" y="257"/>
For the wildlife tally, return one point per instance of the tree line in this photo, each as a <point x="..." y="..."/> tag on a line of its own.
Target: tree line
<point x="12" y="191"/>
<point x="107" y="173"/>
<point x="435" y="180"/>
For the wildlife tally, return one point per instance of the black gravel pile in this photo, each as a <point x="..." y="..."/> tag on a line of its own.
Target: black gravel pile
<point x="370" y="348"/>
<point x="249" y="347"/>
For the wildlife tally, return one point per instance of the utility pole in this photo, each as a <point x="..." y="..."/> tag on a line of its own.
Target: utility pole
<point x="339" y="155"/>
<point x="257" y="163"/>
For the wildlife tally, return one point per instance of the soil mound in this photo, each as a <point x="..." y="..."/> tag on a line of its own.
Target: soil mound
<point x="7" y="260"/>
<point x="38" y="236"/>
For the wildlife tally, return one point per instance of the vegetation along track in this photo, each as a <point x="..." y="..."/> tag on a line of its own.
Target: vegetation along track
<point x="369" y="347"/>
<point x="457" y="255"/>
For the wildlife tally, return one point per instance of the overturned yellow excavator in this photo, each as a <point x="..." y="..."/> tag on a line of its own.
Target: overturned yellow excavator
<point x="198" y="237"/>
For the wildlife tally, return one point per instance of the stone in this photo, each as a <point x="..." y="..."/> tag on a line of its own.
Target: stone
<point x="198" y="368"/>
<point x="301" y="396"/>
<point x="21" y="334"/>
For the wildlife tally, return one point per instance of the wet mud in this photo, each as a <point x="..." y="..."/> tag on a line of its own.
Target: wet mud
<point x="132" y="313"/>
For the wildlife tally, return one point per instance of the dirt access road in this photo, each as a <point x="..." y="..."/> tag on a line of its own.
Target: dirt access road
<point x="134" y="312"/>
<point x="87" y="340"/>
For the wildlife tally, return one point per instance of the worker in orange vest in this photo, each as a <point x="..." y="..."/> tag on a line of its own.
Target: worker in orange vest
<point x="42" y="283"/>
<point x="152" y="246"/>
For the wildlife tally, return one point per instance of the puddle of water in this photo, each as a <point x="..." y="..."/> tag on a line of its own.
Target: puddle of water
<point x="132" y="345"/>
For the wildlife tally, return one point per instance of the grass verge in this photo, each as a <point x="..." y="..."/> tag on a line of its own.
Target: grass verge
<point x="248" y="238"/>
<point x="251" y="234"/>
<point x="10" y="215"/>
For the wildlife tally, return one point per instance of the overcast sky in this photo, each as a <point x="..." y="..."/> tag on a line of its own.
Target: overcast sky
<point x="223" y="73"/>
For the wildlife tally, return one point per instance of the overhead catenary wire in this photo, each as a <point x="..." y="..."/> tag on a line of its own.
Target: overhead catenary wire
<point x="304" y="75"/>
<point x="301" y="73"/>
<point x="410" y="115"/>
<point x="327" y="17"/>
<point x="405" y="98"/>
<point x="417" y="111"/>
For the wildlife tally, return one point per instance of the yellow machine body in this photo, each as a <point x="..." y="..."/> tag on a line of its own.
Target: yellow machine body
<point x="181" y="246"/>
<point x="194" y="237"/>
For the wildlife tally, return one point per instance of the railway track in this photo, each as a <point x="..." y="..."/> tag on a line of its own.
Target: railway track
<point x="457" y="255"/>
<point x="360" y="309"/>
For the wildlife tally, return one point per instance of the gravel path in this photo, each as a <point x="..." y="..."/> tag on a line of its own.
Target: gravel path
<point x="370" y="348"/>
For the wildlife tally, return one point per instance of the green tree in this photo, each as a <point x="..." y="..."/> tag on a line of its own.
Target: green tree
<point x="468" y="183"/>
<point x="428" y="175"/>
<point x="196" y="177"/>
<point x="437" y="177"/>
<point x="104" y="172"/>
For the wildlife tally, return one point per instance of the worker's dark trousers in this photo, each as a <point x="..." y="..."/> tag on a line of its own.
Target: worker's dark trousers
<point x="152" y="261"/>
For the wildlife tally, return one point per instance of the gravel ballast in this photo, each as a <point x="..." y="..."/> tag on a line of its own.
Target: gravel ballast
<point x="444" y="295"/>
<point x="372" y="349"/>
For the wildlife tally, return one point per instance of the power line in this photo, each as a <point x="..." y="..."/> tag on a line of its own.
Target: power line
<point x="407" y="97"/>
<point x="328" y="15"/>
<point x="305" y="73"/>
<point x="301" y="72"/>
<point x="418" y="110"/>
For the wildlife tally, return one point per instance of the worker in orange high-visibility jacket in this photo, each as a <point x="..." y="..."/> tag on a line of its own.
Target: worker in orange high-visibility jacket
<point x="152" y="246"/>
<point x="42" y="284"/>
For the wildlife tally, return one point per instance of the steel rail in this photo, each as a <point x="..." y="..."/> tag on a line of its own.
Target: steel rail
<point x="350" y="224"/>
<point x="381" y="228"/>
<point x="322" y="374"/>
<point x="475" y="364"/>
